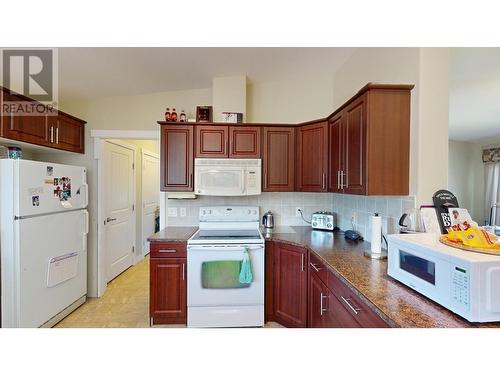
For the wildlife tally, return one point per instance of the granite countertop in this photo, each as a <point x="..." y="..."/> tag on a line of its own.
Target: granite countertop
<point x="394" y="302"/>
<point x="173" y="234"/>
<point x="397" y="304"/>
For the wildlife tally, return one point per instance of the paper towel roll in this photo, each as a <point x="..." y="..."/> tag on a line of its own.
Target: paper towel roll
<point x="376" y="244"/>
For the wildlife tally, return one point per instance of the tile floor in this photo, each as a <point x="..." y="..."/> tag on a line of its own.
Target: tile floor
<point x="124" y="305"/>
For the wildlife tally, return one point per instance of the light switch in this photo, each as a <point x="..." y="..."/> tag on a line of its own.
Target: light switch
<point x="183" y="211"/>
<point x="172" y="212"/>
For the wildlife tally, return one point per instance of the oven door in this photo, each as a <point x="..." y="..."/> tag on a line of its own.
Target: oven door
<point x="219" y="180"/>
<point x="211" y="276"/>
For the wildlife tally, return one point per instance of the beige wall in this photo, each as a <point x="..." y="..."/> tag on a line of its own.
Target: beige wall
<point x="290" y="101"/>
<point x="229" y="94"/>
<point x="466" y="177"/>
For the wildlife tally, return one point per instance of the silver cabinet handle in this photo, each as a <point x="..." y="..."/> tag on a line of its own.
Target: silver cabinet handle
<point x="302" y="262"/>
<point x="227" y="150"/>
<point x="346" y="179"/>
<point x="265" y="179"/>
<point x="183" y="271"/>
<point x="315" y="268"/>
<point x="321" y="309"/>
<point x="110" y="219"/>
<point x="323" y="180"/>
<point x="347" y="302"/>
<point x="338" y="179"/>
<point x="57" y="135"/>
<point x="167" y="251"/>
<point x="51" y="134"/>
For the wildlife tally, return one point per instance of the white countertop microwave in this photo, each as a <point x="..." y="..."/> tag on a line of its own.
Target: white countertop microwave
<point x="465" y="282"/>
<point x="227" y="177"/>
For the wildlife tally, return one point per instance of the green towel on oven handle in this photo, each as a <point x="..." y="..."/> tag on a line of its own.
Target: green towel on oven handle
<point x="246" y="276"/>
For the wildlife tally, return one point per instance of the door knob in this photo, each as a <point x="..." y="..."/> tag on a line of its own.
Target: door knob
<point x="110" y="219"/>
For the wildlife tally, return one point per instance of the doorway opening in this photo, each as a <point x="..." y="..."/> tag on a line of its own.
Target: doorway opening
<point x="129" y="202"/>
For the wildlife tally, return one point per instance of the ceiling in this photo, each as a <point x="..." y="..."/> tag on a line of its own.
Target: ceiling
<point x="474" y="94"/>
<point x="101" y="72"/>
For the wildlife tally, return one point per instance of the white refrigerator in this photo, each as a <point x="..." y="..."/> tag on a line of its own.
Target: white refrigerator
<point x="44" y="226"/>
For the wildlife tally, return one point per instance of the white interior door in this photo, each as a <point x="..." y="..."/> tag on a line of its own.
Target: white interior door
<point x="150" y="195"/>
<point x="119" y="200"/>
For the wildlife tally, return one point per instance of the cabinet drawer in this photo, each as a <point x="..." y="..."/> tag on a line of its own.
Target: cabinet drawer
<point x="353" y="304"/>
<point x="317" y="267"/>
<point x="167" y="250"/>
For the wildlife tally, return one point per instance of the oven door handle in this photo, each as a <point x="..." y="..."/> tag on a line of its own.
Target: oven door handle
<point x="225" y="248"/>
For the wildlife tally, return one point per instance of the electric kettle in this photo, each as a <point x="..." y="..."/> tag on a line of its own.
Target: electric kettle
<point x="268" y="220"/>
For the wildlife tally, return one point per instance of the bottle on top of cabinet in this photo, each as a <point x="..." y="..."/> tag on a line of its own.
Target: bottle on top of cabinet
<point x="173" y="115"/>
<point x="167" y="115"/>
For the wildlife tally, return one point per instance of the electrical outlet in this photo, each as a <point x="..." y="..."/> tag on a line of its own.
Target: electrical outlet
<point x="353" y="217"/>
<point x="182" y="211"/>
<point x="297" y="211"/>
<point x="172" y="212"/>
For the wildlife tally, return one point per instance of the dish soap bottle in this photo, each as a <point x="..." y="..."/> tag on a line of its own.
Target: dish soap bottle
<point x="173" y="115"/>
<point x="182" y="117"/>
<point x="167" y="115"/>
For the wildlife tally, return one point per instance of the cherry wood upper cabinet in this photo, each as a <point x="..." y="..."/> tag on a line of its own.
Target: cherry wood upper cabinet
<point x="67" y="133"/>
<point x="354" y="178"/>
<point x="212" y="141"/>
<point x="168" y="296"/>
<point x="56" y="130"/>
<point x="177" y="161"/>
<point x="30" y="129"/>
<point x="290" y="285"/>
<point x="312" y="157"/>
<point x="370" y="142"/>
<point x="278" y="159"/>
<point x="336" y="152"/>
<point x="244" y="142"/>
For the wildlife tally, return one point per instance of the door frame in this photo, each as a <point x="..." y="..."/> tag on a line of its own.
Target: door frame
<point x="156" y="156"/>
<point x="101" y="136"/>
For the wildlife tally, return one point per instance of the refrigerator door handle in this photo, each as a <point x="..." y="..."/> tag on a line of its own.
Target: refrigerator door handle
<point x="86" y="213"/>
<point x="86" y="189"/>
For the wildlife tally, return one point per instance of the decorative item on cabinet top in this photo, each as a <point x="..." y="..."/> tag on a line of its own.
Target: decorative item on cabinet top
<point x="204" y="113"/>
<point x="232" y="117"/>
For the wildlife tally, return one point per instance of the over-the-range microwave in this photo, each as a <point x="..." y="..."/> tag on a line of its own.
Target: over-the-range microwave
<point x="227" y="177"/>
<point x="465" y="282"/>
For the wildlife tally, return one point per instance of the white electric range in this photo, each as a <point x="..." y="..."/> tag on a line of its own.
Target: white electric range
<point x="214" y="253"/>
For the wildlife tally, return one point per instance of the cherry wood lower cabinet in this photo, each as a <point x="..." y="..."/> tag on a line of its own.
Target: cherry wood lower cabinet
<point x="168" y="287"/>
<point x="290" y="285"/>
<point x="333" y="305"/>
<point x="177" y="158"/>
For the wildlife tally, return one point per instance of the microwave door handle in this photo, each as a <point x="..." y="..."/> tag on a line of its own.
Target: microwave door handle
<point x="244" y="179"/>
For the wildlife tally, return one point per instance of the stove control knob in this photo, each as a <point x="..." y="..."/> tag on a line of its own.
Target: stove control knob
<point x="329" y="225"/>
<point x="314" y="224"/>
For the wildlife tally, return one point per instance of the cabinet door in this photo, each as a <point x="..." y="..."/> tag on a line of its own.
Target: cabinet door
<point x="176" y="164"/>
<point x="312" y="157"/>
<point x="278" y="159"/>
<point x="355" y="147"/>
<point x="337" y="316"/>
<point x="168" y="303"/>
<point x="244" y="142"/>
<point x="318" y="299"/>
<point x="212" y="141"/>
<point x="68" y="133"/>
<point x="290" y="285"/>
<point x="30" y="129"/>
<point x="336" y="152"/>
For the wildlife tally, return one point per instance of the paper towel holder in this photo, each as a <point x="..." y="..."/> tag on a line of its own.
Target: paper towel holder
<point x="376" y="255"/>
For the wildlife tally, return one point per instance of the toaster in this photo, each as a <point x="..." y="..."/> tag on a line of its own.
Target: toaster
<point x="324" y="220"/>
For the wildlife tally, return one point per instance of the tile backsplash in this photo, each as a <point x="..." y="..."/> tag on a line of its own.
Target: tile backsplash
<point x="283" y="206"/>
